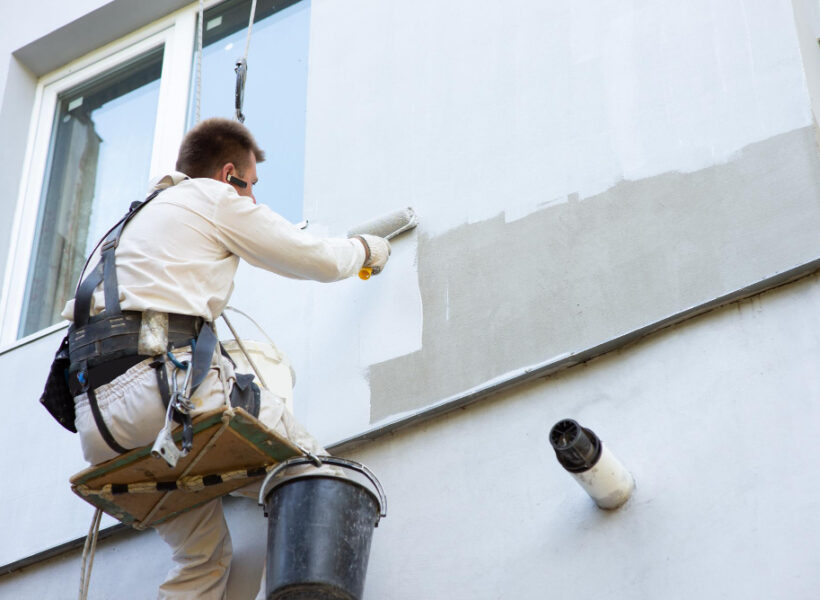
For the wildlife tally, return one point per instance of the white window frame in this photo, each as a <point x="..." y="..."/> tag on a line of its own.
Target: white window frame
<point x="177" y="33"/>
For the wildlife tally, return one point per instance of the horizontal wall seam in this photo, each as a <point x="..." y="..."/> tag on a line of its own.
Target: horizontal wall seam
<point x="75" y="544"/>
<point x="493" y="387"/>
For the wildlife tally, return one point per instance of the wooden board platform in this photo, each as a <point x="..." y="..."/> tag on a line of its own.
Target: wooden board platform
<point x="224" y="443"/>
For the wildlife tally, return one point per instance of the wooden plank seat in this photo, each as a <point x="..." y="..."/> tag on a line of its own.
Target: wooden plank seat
<point x="231" y="449"/>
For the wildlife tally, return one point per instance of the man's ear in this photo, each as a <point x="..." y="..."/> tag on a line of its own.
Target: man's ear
<point x="227" y="169"/>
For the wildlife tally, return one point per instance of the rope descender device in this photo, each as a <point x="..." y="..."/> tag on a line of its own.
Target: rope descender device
<point x="241" y="70"/>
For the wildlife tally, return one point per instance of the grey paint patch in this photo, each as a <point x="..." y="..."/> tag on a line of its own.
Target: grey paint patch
<point x="498" y="296"/>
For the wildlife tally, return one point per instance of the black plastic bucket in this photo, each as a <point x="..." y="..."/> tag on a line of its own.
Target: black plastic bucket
<point x="319" y="531"/>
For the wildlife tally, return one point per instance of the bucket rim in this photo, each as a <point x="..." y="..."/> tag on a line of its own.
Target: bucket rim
<point x="269" y="484"/>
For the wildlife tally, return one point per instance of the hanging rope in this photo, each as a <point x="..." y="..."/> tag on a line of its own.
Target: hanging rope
<point x="241" y="69"/>
<point x="88" y="553"/>
<point x="245" y="352"/>
<point x="250" y="28"/>
<point x="200" y="28"/>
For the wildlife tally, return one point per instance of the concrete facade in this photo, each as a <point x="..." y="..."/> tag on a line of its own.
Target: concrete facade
<point x="586" y="178"/>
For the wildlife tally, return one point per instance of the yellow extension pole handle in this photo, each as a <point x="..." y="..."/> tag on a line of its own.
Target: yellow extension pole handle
<point x="365" y="273"/>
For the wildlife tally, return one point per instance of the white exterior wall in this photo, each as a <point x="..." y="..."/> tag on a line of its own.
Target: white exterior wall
<point x="715" y="419"/>
<point x="580" y="172"/>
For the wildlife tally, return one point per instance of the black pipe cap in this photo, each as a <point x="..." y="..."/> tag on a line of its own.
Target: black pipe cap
<point x="577" y="448"/>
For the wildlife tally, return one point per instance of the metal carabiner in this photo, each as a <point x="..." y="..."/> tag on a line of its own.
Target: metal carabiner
<point x="180" y="399"/>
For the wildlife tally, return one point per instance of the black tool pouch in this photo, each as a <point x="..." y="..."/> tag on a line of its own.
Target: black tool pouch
<point x="56" y="396"/>
<point x="246" y="394"/>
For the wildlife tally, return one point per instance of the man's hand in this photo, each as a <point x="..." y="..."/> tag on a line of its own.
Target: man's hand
<point x="376" y="251"/>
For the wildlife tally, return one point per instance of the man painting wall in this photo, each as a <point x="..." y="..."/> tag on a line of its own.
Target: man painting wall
<point x="177" y="259"/>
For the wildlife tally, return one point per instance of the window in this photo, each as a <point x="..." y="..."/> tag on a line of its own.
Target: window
<point x="98" y="164"/>
<point x="275" y="92"/>
<point x="101" y="127"/>
<point x="111" y="120"/>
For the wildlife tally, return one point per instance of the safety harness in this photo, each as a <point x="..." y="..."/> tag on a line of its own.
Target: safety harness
<point x="103" y="346"/>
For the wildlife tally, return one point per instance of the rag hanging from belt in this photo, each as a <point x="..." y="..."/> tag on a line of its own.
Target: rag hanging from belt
<point x="103" y="346"/>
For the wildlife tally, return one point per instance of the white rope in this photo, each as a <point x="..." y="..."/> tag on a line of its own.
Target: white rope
<point x="245" y="352"/>
<point x="250" y="28"/>
<point x="88" y="553"/>
<point x="200" y="28"/>
<point x="241" y="69"/>
<point x="249" y="318"/>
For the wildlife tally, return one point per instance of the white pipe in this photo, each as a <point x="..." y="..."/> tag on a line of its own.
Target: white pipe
<point x="591" y="464"/>
<point x="608" y="482"/>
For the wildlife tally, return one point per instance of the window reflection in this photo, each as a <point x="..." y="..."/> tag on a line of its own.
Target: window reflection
<point x="99" y="163"/>
<point x="275" y="92"/>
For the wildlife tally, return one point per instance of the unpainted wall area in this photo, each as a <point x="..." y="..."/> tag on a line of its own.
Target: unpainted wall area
<point x="807" y="21"/>
<point x="500" y="295"/>
<point x="132" y="564"/>
<point x="39" y="510"/>
<point x="715" y="419"/>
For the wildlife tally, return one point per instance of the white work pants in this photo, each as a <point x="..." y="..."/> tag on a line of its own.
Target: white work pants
<point x="199" y="538"/>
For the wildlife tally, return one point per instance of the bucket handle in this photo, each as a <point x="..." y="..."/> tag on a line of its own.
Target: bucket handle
<point x="269" y="484"/>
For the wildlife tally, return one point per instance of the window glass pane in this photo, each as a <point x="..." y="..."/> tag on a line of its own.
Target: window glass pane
<point x="275" y="91"/>
<point x="99" y="163"/>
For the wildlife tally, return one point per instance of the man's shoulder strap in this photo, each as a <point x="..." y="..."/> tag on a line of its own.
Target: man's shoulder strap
<point x="105" y="272"/>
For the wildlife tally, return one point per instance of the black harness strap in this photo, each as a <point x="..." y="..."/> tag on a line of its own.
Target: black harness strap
<point x="104" y="272"/>
<point x="82" y="299"/>
<point x="98" y="419"/>
<point x="201" y="358"/>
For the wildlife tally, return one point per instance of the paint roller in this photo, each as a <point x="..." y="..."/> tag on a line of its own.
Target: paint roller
<point x="387" y="226"/>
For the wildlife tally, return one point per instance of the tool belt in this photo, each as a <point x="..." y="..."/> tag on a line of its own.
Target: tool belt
<point x="105" y="338"/>
<point x="107" y="346"/>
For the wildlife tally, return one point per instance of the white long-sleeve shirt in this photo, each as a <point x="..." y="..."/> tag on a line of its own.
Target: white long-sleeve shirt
<point x="180" y="253"/>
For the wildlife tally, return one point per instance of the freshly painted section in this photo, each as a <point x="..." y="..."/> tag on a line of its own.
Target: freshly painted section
<point x="331" y="333"/>
<point x="467" y="112"/>
<point x="807" y="21"/>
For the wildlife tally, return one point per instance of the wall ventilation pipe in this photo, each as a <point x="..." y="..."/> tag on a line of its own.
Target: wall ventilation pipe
<point x="592" y="465"/>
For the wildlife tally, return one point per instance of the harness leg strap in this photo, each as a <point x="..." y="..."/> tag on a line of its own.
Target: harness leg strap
<point x="98" y="419"/>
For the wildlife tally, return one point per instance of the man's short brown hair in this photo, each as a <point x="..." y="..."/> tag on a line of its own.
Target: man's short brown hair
<point x="214" y="142"/>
